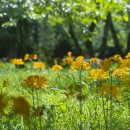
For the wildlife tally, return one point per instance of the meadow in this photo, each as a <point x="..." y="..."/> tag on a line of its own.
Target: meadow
<point x="75" y="94"/>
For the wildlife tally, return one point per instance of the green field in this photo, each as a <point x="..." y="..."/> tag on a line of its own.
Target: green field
<point x="81" y="95"/>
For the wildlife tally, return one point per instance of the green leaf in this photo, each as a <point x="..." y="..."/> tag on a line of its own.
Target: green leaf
<point x="126" y="18"/>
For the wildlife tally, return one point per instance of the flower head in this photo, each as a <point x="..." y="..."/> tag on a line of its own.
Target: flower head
<point x="98" y="74"/>
<point x="17" y="61"/>
<point x="79" y="64"/>
<point x="121" y="72"/>
<point x="79" y="58"/>
<point x="39" y="64"/>
<point x="57" y="67"/>
<point x="21" y="106"/>
<point x="36" y="81"/>
<point x="30" y="57"/>
<point x="128" y="55"/>
<point x="105" y="65"/>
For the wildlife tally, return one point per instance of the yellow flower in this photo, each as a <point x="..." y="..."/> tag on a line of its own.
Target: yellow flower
<point x="30" y="57"/>
<point x="34" y="56"/>
<point x="39" y="64"/>
<point x="68" y="60"/>
<point x="105" y="65"/>
<point x="69" y="53"/>
<point x="116" y="58"/>
<point x="17" y="61"/>
<point x="121" y="72"/>
<point x="125" y="63"/>
<point x="98" y="74"/>
<point x="128" y="55"/>
<point x="57" y="67"/>
<point x="36" y="81"/>
<point x="79" y="64"/>
<point x="79" y="58"/>
<point x="21" y="106"/>
<point x="94" y="60"/>
<point x="26" y="57"/>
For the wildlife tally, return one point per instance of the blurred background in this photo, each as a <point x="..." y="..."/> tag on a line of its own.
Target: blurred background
<point x="50" y="28"/>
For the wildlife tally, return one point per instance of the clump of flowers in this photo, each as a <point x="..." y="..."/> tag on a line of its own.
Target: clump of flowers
<point x="116" y="58"/>
<point x="17" y="61"/>
<point x="80" y="63"/>
<point x="105" y="64"/>
<point x="125" y="63"/>
<point x="69" y="59"/>
<point x="94" y="60"/>
<point x="57" y="67"/>
<point x="39" y="64"/>
<point x="21" y="106"/>
<point x="108" y="90"/>
<point x="128" y="56"/>
<point x="36" y="81"/>
<point x="98" y="74"/>
<point x="30" y="57"/>
<point x="121" y="72"/>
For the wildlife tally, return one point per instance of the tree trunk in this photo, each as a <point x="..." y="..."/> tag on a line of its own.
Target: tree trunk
<point x="114" y="35"/>
<point x="128" y="42"/>
<point x="104" y="39"/>
<point x="73" y="36"/>
<point x="128" y="38"/>
<point x="88" y="43"/>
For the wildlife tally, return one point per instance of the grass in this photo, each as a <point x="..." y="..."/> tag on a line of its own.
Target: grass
<point x="71" y="101"/>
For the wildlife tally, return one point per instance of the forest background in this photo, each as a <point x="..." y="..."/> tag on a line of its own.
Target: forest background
<point x="50" y="28"/>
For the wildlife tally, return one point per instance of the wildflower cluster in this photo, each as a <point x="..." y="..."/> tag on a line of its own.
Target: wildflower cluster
<point x="36" y="81"/>
<point x="80" y="63"/>
<point x="17" y="61"/>
<point x="30" y="57"/>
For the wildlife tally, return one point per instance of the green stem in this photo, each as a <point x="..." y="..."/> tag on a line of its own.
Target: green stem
<point x="104" y="113"/>
<point x="111" y="103"/>
<point x="38" y="98"/>
<point x="80" y="93"/>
